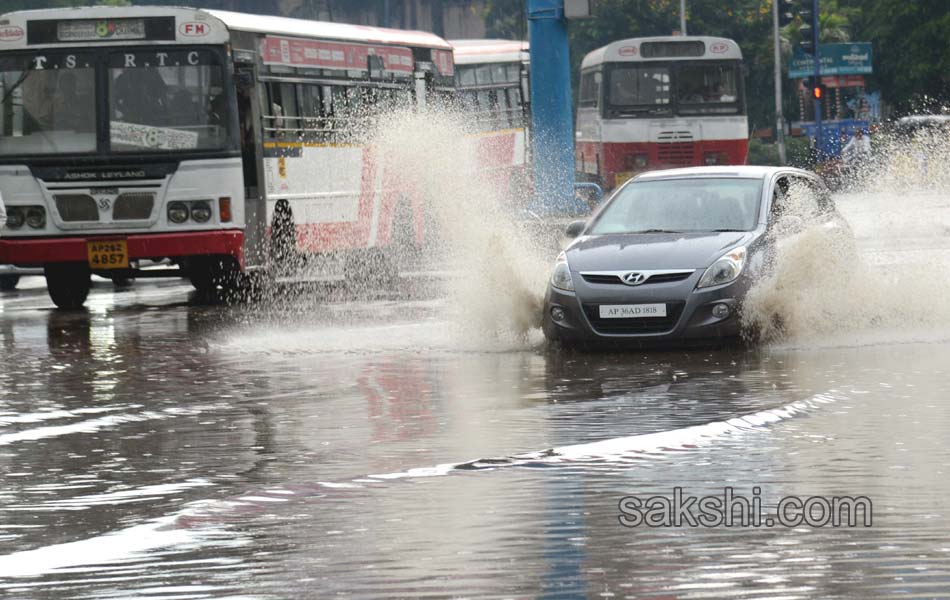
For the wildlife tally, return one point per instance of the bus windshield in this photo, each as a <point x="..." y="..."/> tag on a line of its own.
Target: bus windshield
<point x="707" y="88"/>
<point x="639" y="89"/>
<point x="166" y="100"/>
<point x="676" y="87"/>
<point x="47" y="104"/>
<point x="159" y="100"/>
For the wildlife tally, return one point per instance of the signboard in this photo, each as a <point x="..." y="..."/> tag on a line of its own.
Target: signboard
<point x="293" y="52"/>
<point x="836" y="59"/>
<point x="92" y="30"/>
<point x="843" y="81"/>
<point x="146" y="136"/>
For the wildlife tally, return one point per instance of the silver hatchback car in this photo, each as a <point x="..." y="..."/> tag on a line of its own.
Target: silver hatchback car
<point x="670" y="255"/>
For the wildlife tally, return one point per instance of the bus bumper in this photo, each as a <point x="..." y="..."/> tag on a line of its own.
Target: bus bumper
<point x="41" y="251"/>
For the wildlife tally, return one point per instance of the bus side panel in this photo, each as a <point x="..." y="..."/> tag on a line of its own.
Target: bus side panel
<point x="334" y="192"/>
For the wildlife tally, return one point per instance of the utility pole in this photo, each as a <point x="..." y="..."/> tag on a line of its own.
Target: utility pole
<point x="551" y="112"/>
<point x="814" y="36"/>
<point x="683" y="16"/>
<point x="779" y="118"/>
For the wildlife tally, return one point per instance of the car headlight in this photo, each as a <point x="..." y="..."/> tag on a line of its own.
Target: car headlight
<point x="561" y="278"/>
<point x="726" y="269"/>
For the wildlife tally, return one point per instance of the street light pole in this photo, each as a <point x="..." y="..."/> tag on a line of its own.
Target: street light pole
<point x="779" y="117"/>
<point x="683" y="16"/>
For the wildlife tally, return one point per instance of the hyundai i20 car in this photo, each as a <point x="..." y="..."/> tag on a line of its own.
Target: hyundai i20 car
<point x="671" y="254"/>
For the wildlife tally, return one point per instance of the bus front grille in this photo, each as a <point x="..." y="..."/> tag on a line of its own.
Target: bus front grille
<point x="133" y="206"/>
<point x="678" y="154"/>
<point x="76" y="207"/>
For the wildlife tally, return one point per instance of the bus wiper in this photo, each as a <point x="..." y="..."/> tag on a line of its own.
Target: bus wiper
<point x="26" y="73"/>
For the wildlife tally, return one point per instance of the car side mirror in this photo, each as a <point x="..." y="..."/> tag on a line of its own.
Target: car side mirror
<point x="575" y="228"/>
<point x="789" y="224"/>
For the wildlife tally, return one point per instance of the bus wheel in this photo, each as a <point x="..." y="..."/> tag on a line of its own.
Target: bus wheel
<point x="216" y="277"/>
<point x="8" y="282"/>
<point x="283" y="242"/>
<point x="403" y="246"/>
<point x="68" y="284"/>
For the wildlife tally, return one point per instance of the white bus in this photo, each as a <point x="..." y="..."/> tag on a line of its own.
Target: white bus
<point x="221" y="141"/>
<point x="491" y="78"/>
<point x="660" y="102"/>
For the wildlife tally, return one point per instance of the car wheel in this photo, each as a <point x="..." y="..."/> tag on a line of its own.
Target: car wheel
<point x="8" y="283"/>
<point x="68" y="284"/>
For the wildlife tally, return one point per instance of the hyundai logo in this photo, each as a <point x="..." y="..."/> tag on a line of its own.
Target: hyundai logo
<point x="633" y="278"/>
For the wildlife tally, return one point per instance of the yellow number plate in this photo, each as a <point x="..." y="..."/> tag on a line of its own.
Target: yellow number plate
<point x="108" y="254"/>
<point x="622" y="177"/>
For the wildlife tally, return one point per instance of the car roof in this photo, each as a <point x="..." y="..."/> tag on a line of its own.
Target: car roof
<point x="741" y="171"/>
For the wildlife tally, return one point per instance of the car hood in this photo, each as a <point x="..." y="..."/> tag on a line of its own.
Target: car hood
<point x="616" y="252"/>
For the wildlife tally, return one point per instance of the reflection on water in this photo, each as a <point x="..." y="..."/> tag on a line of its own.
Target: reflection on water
<point x="190" y="452"/>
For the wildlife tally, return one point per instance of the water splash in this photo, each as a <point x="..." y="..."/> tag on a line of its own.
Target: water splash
<point x="502" y="269"/>
<point x="890" y="280"/>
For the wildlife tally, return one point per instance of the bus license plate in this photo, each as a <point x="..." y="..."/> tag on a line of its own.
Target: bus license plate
<point x="108" y="254"/>
<point x="631" y="311"/>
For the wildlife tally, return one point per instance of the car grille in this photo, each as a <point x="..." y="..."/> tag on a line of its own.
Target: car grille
<point x="134" y="205"/>
<point x="76" y="207"/>
<point x="639" y="325"/>
<point x="615" y="279"/>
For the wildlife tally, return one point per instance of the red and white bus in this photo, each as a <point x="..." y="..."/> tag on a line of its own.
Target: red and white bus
<point x="660" y="102"/>
<point x="491" y="79"/>
<point x="221" y="141"/>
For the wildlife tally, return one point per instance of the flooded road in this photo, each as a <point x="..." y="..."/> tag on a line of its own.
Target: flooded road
<point x="151" y="447"/>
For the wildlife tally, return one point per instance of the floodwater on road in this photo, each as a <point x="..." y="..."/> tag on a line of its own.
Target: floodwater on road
<point x="152" y="447"/>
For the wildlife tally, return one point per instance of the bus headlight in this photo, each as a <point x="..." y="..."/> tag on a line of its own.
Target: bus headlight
<point x="200" y="212"/>
<point x="178" y="212"/>
<point x="36" y="217"/>
<point x="726" y="269"/>
<point x="15" y="217"/>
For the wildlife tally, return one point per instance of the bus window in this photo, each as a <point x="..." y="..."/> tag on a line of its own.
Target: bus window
<point x="514" y="73"/>
<point x="485" y="116"/>
<point x="311" y="110"/>
<point x="504" y="112"/>
<point x="517" y="110"/>
<point x="590" y="89"/>
<point x="483" y="75"/>
<point x="281" y="117"/>
<point x="466" y="76"/>
<point x="499" y="74"/>
<point x="635" y="90"/>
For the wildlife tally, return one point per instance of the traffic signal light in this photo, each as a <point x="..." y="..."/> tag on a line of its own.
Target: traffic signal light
<point x="816" y="89"/>
<point x="787" y="10"/>
<point x="807" y="31"/>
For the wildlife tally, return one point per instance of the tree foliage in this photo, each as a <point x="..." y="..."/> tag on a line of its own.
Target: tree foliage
<point x="910" y="39"/>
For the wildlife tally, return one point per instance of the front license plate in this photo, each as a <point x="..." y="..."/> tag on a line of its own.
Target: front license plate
<point x="108" y="254"/>
<point x="631" y="311"/>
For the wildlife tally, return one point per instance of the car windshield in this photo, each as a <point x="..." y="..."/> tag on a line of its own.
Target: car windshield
<point x="682" y="205"/>
<point x="47" y="104"/>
